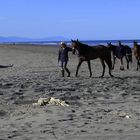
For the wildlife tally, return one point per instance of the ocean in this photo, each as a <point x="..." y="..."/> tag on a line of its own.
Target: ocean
<point x="89" y="42"/>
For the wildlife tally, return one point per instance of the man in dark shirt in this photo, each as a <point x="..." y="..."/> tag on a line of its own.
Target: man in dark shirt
<point x="63" y="58"/>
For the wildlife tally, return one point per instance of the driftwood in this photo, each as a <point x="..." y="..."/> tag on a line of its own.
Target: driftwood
<point x="51" y="100"/>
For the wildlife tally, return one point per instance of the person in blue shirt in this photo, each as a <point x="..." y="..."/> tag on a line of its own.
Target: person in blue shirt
<point x="63" y="58"/>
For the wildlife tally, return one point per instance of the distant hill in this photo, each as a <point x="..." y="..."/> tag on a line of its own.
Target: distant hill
<point x="22" y="39"/>
<point x="56" y="38"/>
<point x="14" y="39"/>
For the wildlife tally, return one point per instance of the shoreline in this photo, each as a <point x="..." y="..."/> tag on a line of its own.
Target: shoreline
<point x="57" y="43"/>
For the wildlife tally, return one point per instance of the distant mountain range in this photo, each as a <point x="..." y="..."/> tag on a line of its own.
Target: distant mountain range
<point x="12" y="39"/>
<point x="22" y="39"/>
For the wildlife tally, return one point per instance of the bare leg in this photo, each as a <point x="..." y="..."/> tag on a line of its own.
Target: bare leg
<point x="89" y="66"/>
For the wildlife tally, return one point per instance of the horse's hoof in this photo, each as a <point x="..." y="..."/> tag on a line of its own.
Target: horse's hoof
<point x="111" y="75"/>
<point x="122" y="69"/>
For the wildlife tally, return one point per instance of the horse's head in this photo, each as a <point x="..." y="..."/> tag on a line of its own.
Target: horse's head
<point x="74" y="45"/>
<point x="120" y="44"/>
<point x="135" y="43"/>
<point x="135" y="46"/>
<point x="110" y="46"/>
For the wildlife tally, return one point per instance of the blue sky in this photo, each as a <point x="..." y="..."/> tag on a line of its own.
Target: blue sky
<point x="83" y="19"/>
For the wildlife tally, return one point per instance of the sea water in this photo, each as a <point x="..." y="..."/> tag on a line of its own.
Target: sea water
<point x="88" y="42"/>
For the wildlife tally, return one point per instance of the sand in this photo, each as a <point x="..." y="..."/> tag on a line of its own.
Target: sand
<point x="99" y="108"/>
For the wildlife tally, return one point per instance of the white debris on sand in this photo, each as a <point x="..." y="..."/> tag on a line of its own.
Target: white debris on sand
<point x="51" y="101"/>
<point x="42" y="101"/>
<point x="120" y="114"/>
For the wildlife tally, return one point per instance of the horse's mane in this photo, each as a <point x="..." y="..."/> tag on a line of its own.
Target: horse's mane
<point x="112" y="47"/>
<point x="88" y="46"/>
<point x="82" y="44"/>
<point x="83" y="48"/>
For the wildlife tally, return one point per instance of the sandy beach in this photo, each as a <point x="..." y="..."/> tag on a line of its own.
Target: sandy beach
<point x="99" y="108"/>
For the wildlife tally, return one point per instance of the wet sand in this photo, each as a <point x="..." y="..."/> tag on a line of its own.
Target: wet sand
<point x="99" y="108"/>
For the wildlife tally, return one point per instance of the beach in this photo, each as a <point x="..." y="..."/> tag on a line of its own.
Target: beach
<point x="99" y="108"/>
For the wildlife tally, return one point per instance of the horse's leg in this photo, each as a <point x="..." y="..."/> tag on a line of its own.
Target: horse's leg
<point x="109" y="63"/>
<point x="89" y="66"/>
<point x="138" y="64"/>
<point x="121" y="63"/>
<point x="103" y="64"/>
<point x="127" y="62"/>
<point x="79" y="64"/>
<point x="114" y="58"/>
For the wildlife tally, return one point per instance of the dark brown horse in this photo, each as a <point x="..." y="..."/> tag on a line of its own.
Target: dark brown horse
<point x="119" y="52"/>
<point x="87" y="53"/>
<point x="137" y="53"/>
